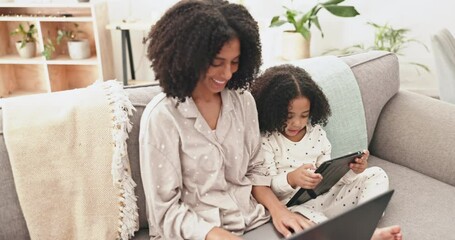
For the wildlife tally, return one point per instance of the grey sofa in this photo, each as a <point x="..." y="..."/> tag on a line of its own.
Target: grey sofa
<point x="412" y="137"/>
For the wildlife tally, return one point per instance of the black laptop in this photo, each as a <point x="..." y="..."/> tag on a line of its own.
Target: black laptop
<point x="358" y="223"/>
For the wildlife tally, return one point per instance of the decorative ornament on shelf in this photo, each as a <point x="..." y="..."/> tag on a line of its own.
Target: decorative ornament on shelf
<point x="299" y="46"/>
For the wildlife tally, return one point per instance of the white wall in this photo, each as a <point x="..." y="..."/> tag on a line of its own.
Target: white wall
<point x="423" y="17"/>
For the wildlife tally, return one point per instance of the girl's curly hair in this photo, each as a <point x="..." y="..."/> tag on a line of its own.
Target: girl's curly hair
<point x="184" y="42"/>
<point x="277" y="87"/>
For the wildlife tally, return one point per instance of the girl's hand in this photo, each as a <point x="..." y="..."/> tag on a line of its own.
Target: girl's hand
<point x="360" y="163"/>
<point x="220" y="234"/>
<point x="304" y="177"/>
<point x="286" y="221"/>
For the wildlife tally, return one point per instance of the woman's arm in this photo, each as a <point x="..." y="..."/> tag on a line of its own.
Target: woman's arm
<point x="283" y="219"/>
<point x="162" y="180"/>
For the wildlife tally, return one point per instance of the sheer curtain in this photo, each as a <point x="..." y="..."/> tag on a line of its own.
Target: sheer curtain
<point x="443" y="44"/>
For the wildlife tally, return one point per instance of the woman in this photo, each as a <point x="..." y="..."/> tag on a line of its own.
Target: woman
<point x="200" y="144"/>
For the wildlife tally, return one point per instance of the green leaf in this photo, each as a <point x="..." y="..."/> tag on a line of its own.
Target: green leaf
<point x="332" y="2"/>
<point x="342" y="11"/>
<point x="277" y="23"/>
<point x="315" y="20"/>
<point x="421" y="66"/>
<point x="290" y="16"/>
<point x="303" y="20"/>
<point x="60" y="35"/>
<point x="305" y="33"/>
<point x="21" y="29"/>
<point x="274" y="19"/>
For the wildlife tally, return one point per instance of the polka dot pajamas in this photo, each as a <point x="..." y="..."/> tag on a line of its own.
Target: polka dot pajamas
<point x="283" y="156"/>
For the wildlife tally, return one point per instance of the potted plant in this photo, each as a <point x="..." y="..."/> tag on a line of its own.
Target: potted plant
<point x="49" y="49"/>
<point x="78" y="47"/>
<point x="26" y="47"/>
<point x="386" y="38"/>
<point x="296" y="42"/>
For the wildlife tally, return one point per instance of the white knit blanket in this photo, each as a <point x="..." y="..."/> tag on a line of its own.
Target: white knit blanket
<point x="70" y="164"/>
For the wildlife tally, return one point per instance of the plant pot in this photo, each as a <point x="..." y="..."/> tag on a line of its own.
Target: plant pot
<point x="28" y="51"/>
<point x="79" y="49"/>
<point x="294" y="46"/>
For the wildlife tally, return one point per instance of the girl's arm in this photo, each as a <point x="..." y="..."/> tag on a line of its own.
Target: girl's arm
<point x="280" y="185"/>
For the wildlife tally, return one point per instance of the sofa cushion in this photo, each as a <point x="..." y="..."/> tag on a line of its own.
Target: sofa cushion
<point x="375" y="72"/>
<point x="421" y="205"/>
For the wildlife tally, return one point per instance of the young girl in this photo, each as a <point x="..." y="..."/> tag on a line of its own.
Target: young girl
<point x="291" y="109"/>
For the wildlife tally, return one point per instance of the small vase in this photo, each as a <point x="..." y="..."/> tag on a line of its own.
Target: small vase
<point x="294" y="46"/>
<point x="27" y="51"/>
<point x="79" y="49"/>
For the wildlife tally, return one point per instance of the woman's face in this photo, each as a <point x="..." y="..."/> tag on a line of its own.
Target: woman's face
<point x="298" y="114"/>
<point x="222" y="67"/>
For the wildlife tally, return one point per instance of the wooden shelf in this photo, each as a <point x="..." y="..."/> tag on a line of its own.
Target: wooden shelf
<point x="45" y="19"/>
<point x="19" y="93"/>
<point x="16" y="59"/>
<point x="65" y="60"/>
<point x="21" y="76"/>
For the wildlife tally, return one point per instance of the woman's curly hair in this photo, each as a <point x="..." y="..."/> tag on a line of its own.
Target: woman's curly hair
<point x="184" y="42"/>
<point x="277" y="87"/>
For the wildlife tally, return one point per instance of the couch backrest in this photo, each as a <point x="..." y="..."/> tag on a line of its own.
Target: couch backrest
<point x="12" y="222"/>
<point x="375" y="72"/>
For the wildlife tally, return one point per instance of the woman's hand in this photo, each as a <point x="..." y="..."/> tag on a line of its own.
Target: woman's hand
<point x="304" y="177"/>
<point x="287" y="222"/>
<point x="220" y="234"/>
<point x="360" y="163"/>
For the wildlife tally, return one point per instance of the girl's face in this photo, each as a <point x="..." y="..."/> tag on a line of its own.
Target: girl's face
<point x="298" y="114"/>
<point x="221" y="69"/>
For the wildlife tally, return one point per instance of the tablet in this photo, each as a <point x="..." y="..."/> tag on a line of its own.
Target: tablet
<point x="332" y="171"/>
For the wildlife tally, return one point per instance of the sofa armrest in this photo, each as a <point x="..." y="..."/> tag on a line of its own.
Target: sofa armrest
<point x="417" y="132"/>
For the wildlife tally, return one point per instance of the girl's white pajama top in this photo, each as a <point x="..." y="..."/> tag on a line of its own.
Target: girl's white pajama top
<point x="283" y="156"/>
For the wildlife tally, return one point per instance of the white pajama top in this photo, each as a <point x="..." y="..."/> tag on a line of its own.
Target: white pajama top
<point x="283" y="156"/>
<point x="196" y="178"/>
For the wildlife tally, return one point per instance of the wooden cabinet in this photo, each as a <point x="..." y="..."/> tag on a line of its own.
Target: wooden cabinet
<point x="19" y="76"/>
